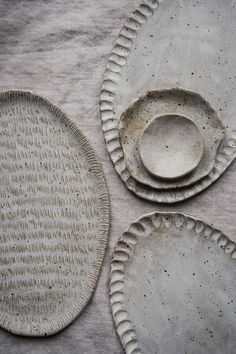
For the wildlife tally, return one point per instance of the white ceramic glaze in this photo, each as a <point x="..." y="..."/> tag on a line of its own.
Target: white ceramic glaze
<point x="54" y="216"/>
<point x="172" y="287"/>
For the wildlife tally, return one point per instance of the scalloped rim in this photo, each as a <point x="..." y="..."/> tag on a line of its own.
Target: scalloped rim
<point x="116" y="61"/>
<point x="7" y="322"/>
<point x="123" y="250"/>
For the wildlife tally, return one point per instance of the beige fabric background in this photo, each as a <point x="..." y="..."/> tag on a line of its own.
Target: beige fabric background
<point x="59" y="49"/>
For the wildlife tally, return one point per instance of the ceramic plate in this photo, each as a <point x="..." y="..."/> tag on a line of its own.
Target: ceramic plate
<point x="54" y="216"/>
<point x="186" y="104"/>
<point x="186" y="45"/>
<point x="173" y="287"/>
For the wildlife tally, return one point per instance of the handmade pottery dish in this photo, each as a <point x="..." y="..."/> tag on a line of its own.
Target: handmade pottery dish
<point x="160" y="49"/>
<point x="54" y="216"/>
<point x="171" y="146"/>
<point x="172" y="287"/>
<point x="183" y="103"/>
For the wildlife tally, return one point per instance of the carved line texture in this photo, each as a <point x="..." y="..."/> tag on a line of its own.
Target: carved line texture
<point x="124" y="249"/>
<point x="112" y="75"/>
<point x="54" y="216"/>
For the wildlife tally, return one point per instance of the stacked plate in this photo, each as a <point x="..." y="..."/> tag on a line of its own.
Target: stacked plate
<point x="167" y="119"/>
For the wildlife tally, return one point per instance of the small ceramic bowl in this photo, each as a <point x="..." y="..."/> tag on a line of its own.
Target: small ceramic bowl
<point x="171" y="146"/>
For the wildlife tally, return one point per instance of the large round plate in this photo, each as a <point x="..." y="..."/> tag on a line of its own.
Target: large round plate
<point x="173" y="44"/>
<point x="54" y="216"/>
<point x="173" y="287"/>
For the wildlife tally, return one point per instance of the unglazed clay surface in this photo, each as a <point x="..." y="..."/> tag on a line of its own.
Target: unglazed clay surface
<point x="171" y="146"/>
<point x="139" y="115"/>
<point x="150" y="54"/>
<point x="54" y="216"/>
<point x="172" y="287"/>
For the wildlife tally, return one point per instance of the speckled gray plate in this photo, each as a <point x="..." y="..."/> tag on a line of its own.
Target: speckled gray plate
<point x="139" y="115"/>
<point x="171" y="44"/>
<point x="54" y="216"/>
<point x="173" y="287"/>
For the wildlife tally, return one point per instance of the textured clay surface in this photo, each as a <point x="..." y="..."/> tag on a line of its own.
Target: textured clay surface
<point x="173" y="285"/>
<point x="165" y="45"/>
<point x="54" y="216"/>
<point x="139" y="115"/>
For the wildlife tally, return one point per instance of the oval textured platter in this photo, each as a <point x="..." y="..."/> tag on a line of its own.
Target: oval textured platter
<point x="54" y="216"/>
<point x="172" y="44"/>
<point x="173" y="287"/>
